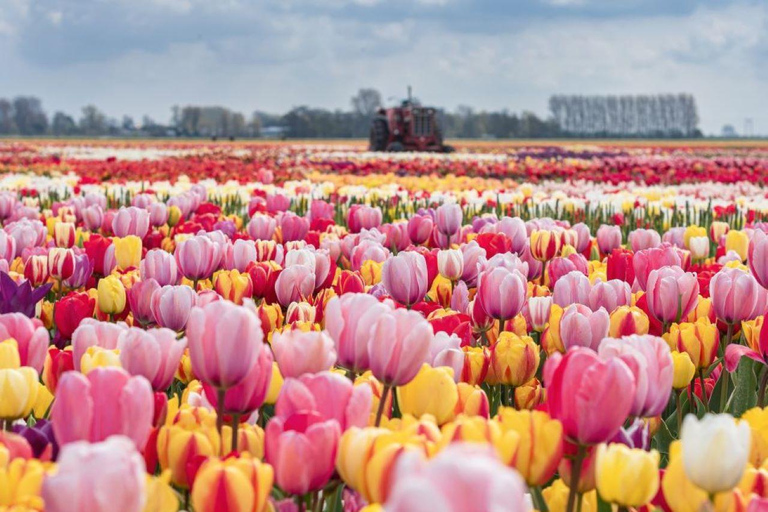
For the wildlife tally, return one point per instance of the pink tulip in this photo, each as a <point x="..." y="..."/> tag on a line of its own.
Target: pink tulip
<point x="672" y="293"/>
<point x="474" y="256"/>
<point x="224" y="342"/>
<point x="7" y="246"/>
<point x="448" y="218"/>
<point x="405" y="277"/>
<point x="535" y="267"/>
<point x="508" y="261"/>
<point x="610" y="295"/>
<point x="367" y="250"/>
<point x="321" y="210"/>
<point x="537" y="311"/>
<point x="93" y="217"/>
<point x="641" y="239"/>
<point x="153" y="354"/>
<point x="397" y="236"/>
<point x="158" y="213"/>
<point x="650" y="361"/>
<point x="106" y="402"/>
<point x="460" y="298"/>
<point x="278" y="203"/>
<point x="591" y="397"/>
<point x="502" y="293"/>
<point x="160" y="266"/>
<point x="559" y="267"/>
<point x="293" y="227"/>
<point x="572" y="288"/>
<point x="758" y="257"/>
<point x="142" y="200"/>
<point x="514" y="229"/>
<point x="328" y="394"/>
<point x="675" y="237"/>
<point x="362" y="216"/>
<point x="98" y="477"/>
<point x="398" y="346"/>
<point x="582" y="327"/>
<point x="583" y="236"/>
<point x="171" y="306"/>
<point x="294" y="284"/>
<point x="734" y="293"/>
<point x="445" y="350"/>
<point x="27" y="233"/>
<point x="302" y="450"/>
<point x="250" y="394"/>
<point x="31" y="336"/>
<point x="648" y="260"/>
<point x="298" y="352"/>
<point x="93" y="333"/>
<point x="262" y="227"/>
<point x="198" y="257"/>
<point x="239" y="254"/>
<point x="140" y="300"/>
<point x="131" y="221"/>
<point x="462" y="477"/>
<point x="349" y="319"/>
<point x="420" y="228"/>
<point x="608" y="238"/>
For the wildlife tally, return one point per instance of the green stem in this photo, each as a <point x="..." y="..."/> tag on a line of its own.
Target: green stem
<point x="761" y="392"/>
<point x="678" y="412"/>
<point x="235" y="427"/>
<point x="724" y="374"/>
<point x="382" y="402"/>
<point x="573" y="490"/>
<point x="704" y="398"/>
<point x="220" y="395"/>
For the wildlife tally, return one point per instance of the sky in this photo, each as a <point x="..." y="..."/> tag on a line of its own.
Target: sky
<point x="141" y="57"/>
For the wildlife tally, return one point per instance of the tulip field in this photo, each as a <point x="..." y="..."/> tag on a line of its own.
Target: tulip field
<point x="308" y="326"/>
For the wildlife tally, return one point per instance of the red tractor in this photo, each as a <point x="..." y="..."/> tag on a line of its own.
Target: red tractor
<point x="409" y="127"/>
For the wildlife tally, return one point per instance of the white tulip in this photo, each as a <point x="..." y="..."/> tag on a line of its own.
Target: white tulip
<point x="715" y="451"/>
<point x="450" y="264"/>
<point x="699" y="246"/>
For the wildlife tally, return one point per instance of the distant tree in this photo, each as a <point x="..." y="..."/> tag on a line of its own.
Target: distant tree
<point x="7" y="121"/>
<point x="93" y="121"/>
<point x="29" y="117"/>
<point x="127" y="124"/>
<point x="63" y="124"/>
<point x="366" y="102"/>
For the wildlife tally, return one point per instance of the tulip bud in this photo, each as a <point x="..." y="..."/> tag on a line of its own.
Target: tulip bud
<point x="628" y="320"/>
<point x="232" y="285"/>
<point x="111" y="295"/>
<point x="450" y="264"/>
<point x="18" y="392"/>
<point x="699" y="247"/>
<point x="61" y="263"/>
<point x="127" y="252"/>
<point x="530" y="395"/>
<point x="684" y="370"/>
<point x="737" y="241"/>
<point x="700" y="340"/>
<point x="625" y="476"/>
<point x="174" y="215"/>
<point x="545" y="245"/>
<point x="514" y="360"/>
<point x="191" y="433"/>
<point x="539" y="444"/>
<point x="432" y="392"/>
<point x="243" y="483"/>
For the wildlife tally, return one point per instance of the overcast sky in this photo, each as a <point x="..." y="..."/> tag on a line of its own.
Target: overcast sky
<point x="141" y="56"/>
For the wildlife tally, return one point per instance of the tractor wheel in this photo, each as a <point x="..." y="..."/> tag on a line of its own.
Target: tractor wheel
<point x="396" y="147"/>
<point x="377" y="140"/>
<point x="448" y="149"/>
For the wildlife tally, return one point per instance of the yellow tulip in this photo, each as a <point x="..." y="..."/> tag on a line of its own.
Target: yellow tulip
<point x="370" y="271"/>
<point x="243" y="483"/>
<point x="717" y="230"/>
<point x="690" y="232"/>
<point x="274" y="385"/>
<point x="681" y="495"/>
<point x="751" y="330"/>
<point x="232" y="285"/>
<point x="625" y="476"/>
<point x="193" y="432"/>
<point x="9" y="354"/>
<point x="111" y="295"/>
<point x="43" y="401"/>
<point x="540" y="443"/>
<point x="160" y="495"/>
<point x="628" y="320"/>
<point x="685" y="370"/>
<point x="250" y="439"/>
<point x="737" y="241"/>
<point x="470" y="429"/>
<point x="551" y="341"/>
<point x="21" y="482"/>
<point x="99" y="357"/>
<point x="432" y="391"/>
<point x="556" y="498"/>
<point x="18" y="392"/>
<point x="758" y="424"/>
<point x="514" y="360"/>
<point x="700" y="340"/>
<point x="127" y="252"/>
<point x="174" y="215"/>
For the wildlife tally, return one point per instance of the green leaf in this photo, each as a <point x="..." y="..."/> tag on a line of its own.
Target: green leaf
<point x="744" y="396"/>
